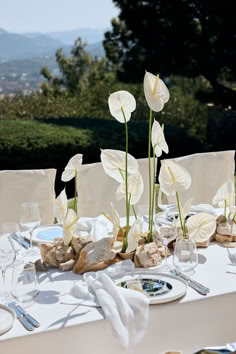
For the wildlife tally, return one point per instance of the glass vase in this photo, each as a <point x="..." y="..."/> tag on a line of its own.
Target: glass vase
<point x="185" y="255"/>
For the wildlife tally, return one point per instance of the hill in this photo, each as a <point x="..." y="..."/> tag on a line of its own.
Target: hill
<point x="88" y="35"/>
<point x="17" y="46"/>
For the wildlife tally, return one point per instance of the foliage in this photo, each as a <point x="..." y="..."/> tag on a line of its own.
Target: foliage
<point x="181" y="37"/>
<point x="49" y="143"/>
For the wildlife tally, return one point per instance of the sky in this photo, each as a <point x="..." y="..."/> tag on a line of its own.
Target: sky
<point x="55" y="15"/>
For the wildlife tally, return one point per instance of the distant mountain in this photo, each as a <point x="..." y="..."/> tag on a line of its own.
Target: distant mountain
<point x="2" y="31"/>
<point x="17" y="46"/>
<point x="88" y="35"/>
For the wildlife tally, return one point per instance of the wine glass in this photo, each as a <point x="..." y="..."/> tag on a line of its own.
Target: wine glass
<point x="166" y="232"/>
<point x="12" y="230"/>
<point x="164" y="204"/>
<point x="30" y="219"/>
<point x="7" y="258"/>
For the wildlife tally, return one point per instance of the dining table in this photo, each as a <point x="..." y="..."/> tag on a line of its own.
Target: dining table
<point x="187" y="324"/>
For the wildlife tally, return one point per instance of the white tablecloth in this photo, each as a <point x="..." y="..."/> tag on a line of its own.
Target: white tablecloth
<point x="187" y="324"/>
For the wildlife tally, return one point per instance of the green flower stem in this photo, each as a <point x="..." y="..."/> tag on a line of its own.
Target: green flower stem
<point x="126" y="179"/>
<point x="149" y="168"/>
<point x="150" y="238"/>
<point x="75" y="200"/>
<point x="135" y="215"/>
<point x="180" y="214"/>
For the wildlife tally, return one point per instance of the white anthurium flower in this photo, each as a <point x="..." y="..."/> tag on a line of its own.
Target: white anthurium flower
<point x="74" y="164"/>
<point x="155" y="91"/>
<point x="173" y="178"/>
<point x="113" y="162"/>
<point x="185" y="211"/>
<point x="121" y="100"/>
<point x="135" y="233"/>
<point x="115" y="219"/>
<point x="201" y="226"/>
<point x="60" y="207"/>
<point x="158" y="139"/>
<point x="135" y="188"/>
<point x="69" y="226"/>
<point x="224" y="194"/>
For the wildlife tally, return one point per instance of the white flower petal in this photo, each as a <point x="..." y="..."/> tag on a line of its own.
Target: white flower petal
<point x="60" y="207"/>
<point x="201" y="226"/>
<point x="113" y="162"/>
<point x="69" y="226"/>
<point x="158" y="139"/>
<point x="74" y="163"/>
<point x="224" y="194"/>
<point x="155" y="91"/>
<point x="135" y="233"/>
<point x="173" y="178"/>
<point x="135" y="188"/>
<point x="121" y="99"/>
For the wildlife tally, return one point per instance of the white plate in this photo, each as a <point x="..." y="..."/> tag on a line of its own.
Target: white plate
<point x="178" y="286"/>
<point x="45" y="233"/>
<point x="7" y="318"/>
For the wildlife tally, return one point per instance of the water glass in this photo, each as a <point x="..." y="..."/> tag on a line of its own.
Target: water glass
<point x="185" y="255"/>
<point x="24" y="286"/>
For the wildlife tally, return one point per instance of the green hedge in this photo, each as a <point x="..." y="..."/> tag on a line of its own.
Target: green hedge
<point x="52" y="142"/>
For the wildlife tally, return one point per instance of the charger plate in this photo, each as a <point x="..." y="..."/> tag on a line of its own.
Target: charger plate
<point x="159" y="287"/>
<point x="45" y="233"/>
<point x="7" y="318"/>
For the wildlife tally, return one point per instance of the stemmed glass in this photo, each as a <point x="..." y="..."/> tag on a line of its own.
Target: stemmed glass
<point x="164" y="204"/>
<point x="30" y="219"/>
<point x="12" y="230"/>
<point x="166" y="232"/>
<point x="7" y="258"/>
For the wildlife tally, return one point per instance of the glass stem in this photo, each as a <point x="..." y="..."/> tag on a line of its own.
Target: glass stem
<point x="165" y="244"/>
<point x="3" y="279"/>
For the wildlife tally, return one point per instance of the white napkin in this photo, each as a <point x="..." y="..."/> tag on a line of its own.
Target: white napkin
<point x="98" y="227"/>
<point x="206" y="208"/>
<point x="126" y="310"/>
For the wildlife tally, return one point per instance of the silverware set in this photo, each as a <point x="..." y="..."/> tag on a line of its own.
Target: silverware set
<point x="201" y="289"/>
<point x="24" y="317"/>
<point x="20" y="240"/>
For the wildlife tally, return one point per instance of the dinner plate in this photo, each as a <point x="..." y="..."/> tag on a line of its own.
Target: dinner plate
<point x="45" y="233"/>
<point x="7" y="318"/>
<point x="159" y="287"/>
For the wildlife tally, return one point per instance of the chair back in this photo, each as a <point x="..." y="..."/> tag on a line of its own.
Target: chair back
<point x="208" y="171"/>
<point x="96" y="190"/>
<point x="19" y="186"/>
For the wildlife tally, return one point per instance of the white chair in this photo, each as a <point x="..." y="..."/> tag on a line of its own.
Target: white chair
<point x="19" y="186"/>
<point x="208" y="171"/>
<point x="96" y="190"/>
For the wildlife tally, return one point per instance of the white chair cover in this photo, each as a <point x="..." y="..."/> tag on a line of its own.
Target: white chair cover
<point x="208" y="171"/>
<point x="19" y="186"/>
<point x="96" y="190"/>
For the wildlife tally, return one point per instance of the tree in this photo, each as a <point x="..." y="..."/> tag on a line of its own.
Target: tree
<point x="76" y="71"/>
<point x="184" y="37"/>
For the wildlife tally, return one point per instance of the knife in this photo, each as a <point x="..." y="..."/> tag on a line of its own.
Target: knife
<point x="193" y="281"/>
<point x="26" y="315"/>
<point x="21" y="318"/>
<point x="20" y="240"/>
<point x="201" y="289"/>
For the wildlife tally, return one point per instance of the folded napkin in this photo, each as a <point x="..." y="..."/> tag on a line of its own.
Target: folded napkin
<point x="98" y="227"/>
<point x="229" y="348"/>
<point x="206" y="208"/>
<point x="126" y="310"/>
